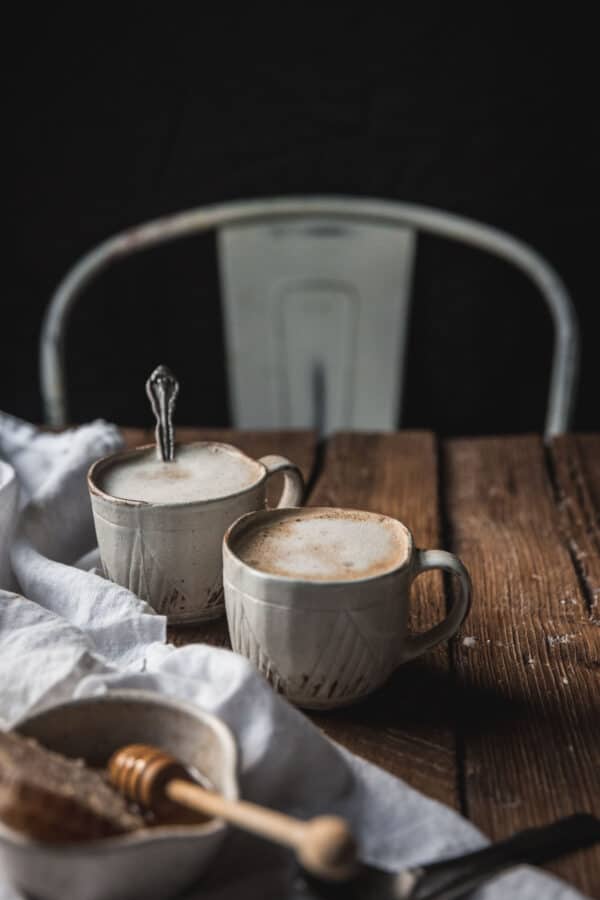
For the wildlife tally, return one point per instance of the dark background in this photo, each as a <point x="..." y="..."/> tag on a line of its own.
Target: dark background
<point x="113" y="119"/>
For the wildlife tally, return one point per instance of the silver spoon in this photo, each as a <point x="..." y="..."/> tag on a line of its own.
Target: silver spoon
<point x="162" y="388"/>
<point x="450" y="879"/>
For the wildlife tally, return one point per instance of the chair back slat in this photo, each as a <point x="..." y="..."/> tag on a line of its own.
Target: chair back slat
<point x="316" y="316"/>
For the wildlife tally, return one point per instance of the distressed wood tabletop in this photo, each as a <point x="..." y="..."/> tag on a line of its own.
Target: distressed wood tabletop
<point x="503" y="723"/>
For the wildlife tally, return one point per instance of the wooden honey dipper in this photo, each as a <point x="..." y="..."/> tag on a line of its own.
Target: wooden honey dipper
<point x="324" y="845"/>
<point x="57" y="800"/>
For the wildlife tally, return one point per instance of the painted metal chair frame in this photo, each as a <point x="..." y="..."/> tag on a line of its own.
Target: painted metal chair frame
<point x="564" y="372"/>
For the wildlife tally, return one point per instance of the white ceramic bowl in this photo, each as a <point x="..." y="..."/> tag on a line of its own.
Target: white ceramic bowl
<point x="151" y="863"/>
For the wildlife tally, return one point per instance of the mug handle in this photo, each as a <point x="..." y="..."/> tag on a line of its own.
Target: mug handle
<point x="416" y="644"/>
<point x="293" y="484"/>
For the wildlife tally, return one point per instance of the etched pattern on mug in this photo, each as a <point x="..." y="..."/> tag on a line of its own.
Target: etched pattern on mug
<point x="345" y="667"/>
<point x="137" y="568"/>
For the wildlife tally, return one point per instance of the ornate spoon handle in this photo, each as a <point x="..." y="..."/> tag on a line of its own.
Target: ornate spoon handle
<point x="162" y="388"/>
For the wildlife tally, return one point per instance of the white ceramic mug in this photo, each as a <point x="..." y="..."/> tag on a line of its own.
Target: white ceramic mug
<point x="9" y="504"/>
<point x="169" y="553"/>
<point x="318" y="599"/>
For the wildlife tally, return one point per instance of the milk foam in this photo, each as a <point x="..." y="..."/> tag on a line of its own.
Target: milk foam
<point x="198" y="472"/>
<point x="324" y="545"/>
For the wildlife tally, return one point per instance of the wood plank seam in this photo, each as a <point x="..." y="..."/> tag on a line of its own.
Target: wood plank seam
<point x="318" y="464"/>
<point x="447" y="537"/>
<point x="528" y="675"/>
<point x="578" y="517"/>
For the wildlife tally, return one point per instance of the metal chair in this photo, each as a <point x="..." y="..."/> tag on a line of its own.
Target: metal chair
<point x="316" y="296"/>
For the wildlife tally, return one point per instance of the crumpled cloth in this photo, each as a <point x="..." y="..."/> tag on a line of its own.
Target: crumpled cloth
<point x="71" y="633"/>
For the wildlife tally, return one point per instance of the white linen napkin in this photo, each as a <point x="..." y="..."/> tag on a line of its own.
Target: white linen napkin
<point x="77" y="634"/>
<point x="9" y="499"/>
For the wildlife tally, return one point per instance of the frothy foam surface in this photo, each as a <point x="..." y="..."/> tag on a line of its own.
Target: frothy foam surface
<point x="198" y="472"/>
<point x="337" y="545"/>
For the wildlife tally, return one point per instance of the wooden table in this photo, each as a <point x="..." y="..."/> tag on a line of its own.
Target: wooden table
<point x="503" y="724"/>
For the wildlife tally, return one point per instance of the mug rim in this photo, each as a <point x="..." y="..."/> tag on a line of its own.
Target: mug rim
<point x="263" y="577"/>
<point x="104" y="461"/>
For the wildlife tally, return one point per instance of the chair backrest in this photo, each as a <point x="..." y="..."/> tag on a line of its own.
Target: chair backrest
<point x="316" y="297"/>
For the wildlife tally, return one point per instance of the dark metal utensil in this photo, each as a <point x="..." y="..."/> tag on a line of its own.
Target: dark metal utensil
<point x="162" y="388"/>
<point x="453" y="878"/>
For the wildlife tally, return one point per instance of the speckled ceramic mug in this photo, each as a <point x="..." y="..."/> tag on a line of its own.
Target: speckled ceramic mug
<point x="169" y="553"/>
<point x="318" y="600"/>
